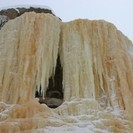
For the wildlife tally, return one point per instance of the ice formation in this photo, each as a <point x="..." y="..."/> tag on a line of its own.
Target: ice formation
<point x="97" y="65"/>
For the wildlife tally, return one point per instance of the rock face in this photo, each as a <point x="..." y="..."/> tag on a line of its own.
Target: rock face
<point x="12" y="13"/>
<point x="90" y="64"/>
<point x="3" y="20"/>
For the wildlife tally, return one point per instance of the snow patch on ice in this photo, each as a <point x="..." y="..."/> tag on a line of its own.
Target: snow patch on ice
<point x="4" y="110"/>
<point x="68" y="129"/>
<point x="95" y="121"/>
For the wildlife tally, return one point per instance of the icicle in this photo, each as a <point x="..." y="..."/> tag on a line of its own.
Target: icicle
<point x="90" y="55"/>
<point x="31" y="57"/>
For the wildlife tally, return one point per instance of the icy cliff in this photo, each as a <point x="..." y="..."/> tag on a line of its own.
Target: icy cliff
<point x="88" y="64"/>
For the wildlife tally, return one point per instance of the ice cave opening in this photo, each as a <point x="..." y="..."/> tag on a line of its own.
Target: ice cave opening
<point x="53" y="96"/>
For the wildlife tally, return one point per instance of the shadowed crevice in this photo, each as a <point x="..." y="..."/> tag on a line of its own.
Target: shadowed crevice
<point x="54" y="93"/>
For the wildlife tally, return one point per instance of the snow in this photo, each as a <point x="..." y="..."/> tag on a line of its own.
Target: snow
<point x="95" y="121"/>
<point x="4" y="110"/>
<point x="68" y="129"/>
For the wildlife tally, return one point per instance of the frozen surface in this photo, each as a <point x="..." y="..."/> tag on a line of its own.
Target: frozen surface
<point x="37" y="118"/>
<point x="97" y="75"/>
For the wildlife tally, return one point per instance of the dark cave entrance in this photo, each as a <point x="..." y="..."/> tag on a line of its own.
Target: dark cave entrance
<point x="54" y="93"/>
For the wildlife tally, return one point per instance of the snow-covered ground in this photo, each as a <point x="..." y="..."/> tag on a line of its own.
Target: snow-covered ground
<point x="93" y="121"/>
